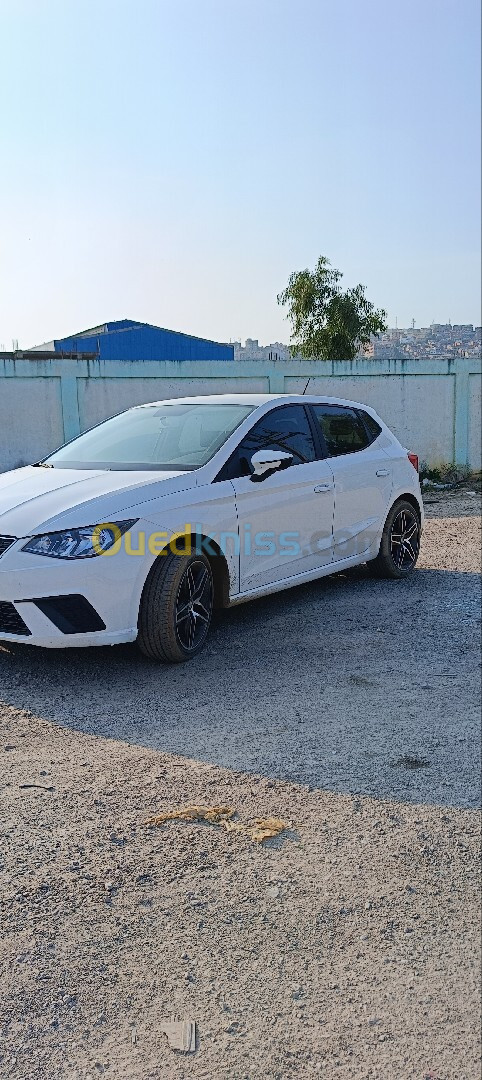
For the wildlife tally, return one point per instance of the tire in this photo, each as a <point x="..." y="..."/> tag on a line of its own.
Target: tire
<point x="176" y="608"/>
<point x="400" y="543"/>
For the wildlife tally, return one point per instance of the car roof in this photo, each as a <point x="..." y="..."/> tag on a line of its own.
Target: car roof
<point x="255" y="400"/>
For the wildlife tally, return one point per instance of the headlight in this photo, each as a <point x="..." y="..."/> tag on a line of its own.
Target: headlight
<point x="83" y="543"/>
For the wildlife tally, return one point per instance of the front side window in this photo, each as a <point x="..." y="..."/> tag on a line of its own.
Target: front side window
<point x="342" y="429"/>
<point x="286" y="428"/>
<point x="183" y="437"/>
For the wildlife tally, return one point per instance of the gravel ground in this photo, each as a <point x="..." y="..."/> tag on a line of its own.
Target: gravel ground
<point x="348" y="946"/>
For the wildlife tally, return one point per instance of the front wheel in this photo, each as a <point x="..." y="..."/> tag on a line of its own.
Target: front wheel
<point x="400" y="544"/>
<point x="176" y="608"/>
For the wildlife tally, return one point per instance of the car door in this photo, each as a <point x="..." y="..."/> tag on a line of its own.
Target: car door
<point x="362" y="473"/>
<point x="286" y="518"/>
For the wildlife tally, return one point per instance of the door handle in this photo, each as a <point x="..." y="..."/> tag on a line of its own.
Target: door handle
<point x="383" y="472"/>
<point x="323" y="487"/>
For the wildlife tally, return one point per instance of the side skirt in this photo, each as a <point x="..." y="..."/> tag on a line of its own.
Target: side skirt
<point x="310" y="575"/>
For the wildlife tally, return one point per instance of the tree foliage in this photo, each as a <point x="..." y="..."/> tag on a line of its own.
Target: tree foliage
<point x="327" y="323"/>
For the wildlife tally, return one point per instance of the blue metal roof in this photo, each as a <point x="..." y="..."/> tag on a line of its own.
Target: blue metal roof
<point x="129" y="340"/>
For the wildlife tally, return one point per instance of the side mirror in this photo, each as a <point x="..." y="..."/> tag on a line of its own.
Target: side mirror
<point x="267" y="461"/>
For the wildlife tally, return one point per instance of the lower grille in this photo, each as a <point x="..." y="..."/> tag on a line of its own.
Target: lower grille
<point x="71" y="614"/>
<point x="11" y="622"/>
<point x="5" y="543"/>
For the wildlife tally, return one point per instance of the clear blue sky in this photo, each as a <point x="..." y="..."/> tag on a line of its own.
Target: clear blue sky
<point x="174" y="160"/>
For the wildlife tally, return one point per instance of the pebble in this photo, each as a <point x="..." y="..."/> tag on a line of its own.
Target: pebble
<point x="272" y="891"/>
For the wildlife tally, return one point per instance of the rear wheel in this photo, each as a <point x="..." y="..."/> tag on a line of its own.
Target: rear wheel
<point x="400" y="543"/>
<point x="176" y="608"/>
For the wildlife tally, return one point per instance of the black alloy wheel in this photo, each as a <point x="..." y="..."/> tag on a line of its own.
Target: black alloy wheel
<point x="400" y="543"/>
<point x="194" y="605"/>
<point x="176" y="608"/>
<point x="405" y="540"/>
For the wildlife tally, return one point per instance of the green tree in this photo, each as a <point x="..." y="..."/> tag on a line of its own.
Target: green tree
<point x="327" y="323"/>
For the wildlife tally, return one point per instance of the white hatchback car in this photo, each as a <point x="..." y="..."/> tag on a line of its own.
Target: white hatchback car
<point x="138" y="528"/>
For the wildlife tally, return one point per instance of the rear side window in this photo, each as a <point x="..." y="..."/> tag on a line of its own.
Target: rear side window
<point x="371" y="425"/>
<point x="342" y="429"/>
<point x="286" y="429"/>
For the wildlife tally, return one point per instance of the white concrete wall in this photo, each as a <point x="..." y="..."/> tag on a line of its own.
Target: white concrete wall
<point x="30" y="420"/>
<point x="433" y="407"/>
<point x="99" y="398"/>
<point x="419" y="408"/>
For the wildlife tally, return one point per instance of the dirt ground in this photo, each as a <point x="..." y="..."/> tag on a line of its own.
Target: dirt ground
<point x="346" y="947"/>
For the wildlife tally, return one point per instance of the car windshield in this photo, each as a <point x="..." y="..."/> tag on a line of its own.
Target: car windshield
<point x="153" y="437"/>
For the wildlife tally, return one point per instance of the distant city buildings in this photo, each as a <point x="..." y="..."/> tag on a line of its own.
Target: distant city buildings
<point x="252" y="350"/>
<point x="438" y="341"/>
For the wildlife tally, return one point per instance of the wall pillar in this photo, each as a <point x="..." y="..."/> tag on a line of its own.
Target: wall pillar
<point x="70" y="406"/>
<point x="276" y="382"/>
<point x="461" y="418"/>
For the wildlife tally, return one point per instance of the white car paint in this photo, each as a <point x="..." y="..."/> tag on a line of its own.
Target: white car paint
<point x="293" y="506"/>
<point x="363" y="482"/>
<point x="342" y="500"/>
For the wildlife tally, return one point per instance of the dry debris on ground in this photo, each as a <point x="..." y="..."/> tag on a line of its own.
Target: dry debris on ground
<point x="259" y="830"/>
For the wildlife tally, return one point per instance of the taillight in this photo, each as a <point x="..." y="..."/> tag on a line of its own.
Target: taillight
<point x="413" y="458"/>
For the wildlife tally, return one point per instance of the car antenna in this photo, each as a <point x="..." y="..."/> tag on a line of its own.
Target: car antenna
<point x="306" y="387"/>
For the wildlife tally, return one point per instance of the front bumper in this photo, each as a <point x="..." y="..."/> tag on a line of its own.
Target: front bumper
<point x="103" y="592"/>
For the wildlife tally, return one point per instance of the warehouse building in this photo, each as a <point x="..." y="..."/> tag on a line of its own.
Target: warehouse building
<point x="129" y="340"/>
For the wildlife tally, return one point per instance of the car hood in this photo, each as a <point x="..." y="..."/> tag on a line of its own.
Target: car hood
<point x="36" y="499"/>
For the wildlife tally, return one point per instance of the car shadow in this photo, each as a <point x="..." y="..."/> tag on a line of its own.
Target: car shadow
<point x="348" y="684"/>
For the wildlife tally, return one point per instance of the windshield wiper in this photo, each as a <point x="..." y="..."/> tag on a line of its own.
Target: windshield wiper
<point x="41" y="465"/>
